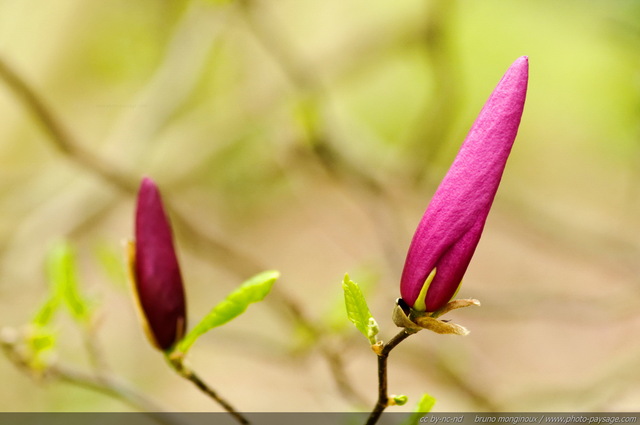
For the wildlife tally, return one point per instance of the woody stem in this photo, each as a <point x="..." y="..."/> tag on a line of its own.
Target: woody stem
<point x="188" y="374"/>
<point x="383" y="397"/>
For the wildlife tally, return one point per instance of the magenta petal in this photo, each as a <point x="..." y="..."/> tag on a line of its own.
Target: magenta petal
<point x="451" y="226"/>
<point x="157" y="273"/>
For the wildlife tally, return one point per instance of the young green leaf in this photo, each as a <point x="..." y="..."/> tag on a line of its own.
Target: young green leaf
<point x="109" y="258"/>
<point x="332" y="319"/>
<point x="45" y="314"/>
<point x="358" y="311"/>
<point x="425" y="405"/>
<point x="41" y="339"/>
<point x="40" y="343"/>
<point x="251" y="291"/>
<point x="62" y="275"/>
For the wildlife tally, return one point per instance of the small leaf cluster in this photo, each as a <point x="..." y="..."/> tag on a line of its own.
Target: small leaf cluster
<point x="39" y="338"/>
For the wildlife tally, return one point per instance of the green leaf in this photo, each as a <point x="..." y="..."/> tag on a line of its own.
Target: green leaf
<point x="358" y="311"/>
<point x="41" y="339"/>
<point x="425" y="405"/>
<point x="45" y="314"/>
<point x="251" y="291"/>
<point x="333" y="318"/>
<point x="110" y="260"/>
<point x="63" y="277"/>
<point x="41" y="343"/>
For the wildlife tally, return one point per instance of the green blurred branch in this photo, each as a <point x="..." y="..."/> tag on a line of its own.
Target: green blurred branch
<point x="234" y="261"/>
<point x="59" y="135"/>
<point x="174" y="80"/>
<point x="456" y="379"/>
<point x="103" y="383"/>
<point x="311" y="90"/>
<point x="313" y="93"/>
<point x="435" y="121"/>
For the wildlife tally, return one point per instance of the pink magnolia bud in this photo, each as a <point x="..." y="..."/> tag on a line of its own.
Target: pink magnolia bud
<point x="156" y="272"/>
<point x="450" y="229"/>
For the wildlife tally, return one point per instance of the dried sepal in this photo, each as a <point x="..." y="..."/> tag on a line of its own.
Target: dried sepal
<point x="129" y="247"/>
<point x="414" y="321"/>
<point x="401" y="313"/>
<point x="440" y="326"/>
<point x="455" y="304"/>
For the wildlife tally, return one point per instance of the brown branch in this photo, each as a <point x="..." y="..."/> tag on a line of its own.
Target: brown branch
<point x="178" y="365"/>
<point x="383" y="397"/>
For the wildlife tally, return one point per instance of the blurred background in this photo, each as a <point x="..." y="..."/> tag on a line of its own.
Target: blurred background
<point x="308" y="137"/>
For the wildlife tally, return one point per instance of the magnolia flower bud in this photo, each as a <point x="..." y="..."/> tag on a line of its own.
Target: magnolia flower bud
<point x="450" y="229"/>
<point x="155" y="270"/>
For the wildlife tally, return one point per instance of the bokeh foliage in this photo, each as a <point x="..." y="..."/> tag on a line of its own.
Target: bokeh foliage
<point x="307" y="137"/>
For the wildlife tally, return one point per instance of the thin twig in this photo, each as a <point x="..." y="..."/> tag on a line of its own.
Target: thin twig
<point x="383" y="397"/>
<point x="93" y="346"/>
<point x="188" y="374"/>
<point x="105" y="384"/>
<point x="59" y="135"/>
<point x="454" y="378"/>
<point x="180" y="69"/>
<point x="335" y="360"/>
<point x="434" y="121"/>
<point x="308" y="86"/>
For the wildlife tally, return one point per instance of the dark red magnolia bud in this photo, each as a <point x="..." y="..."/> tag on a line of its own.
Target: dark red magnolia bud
<point x="156" y="272"/>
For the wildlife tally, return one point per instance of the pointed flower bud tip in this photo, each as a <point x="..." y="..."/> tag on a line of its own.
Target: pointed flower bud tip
<point x="450" y="229"/>
<point x="156" y="273"/>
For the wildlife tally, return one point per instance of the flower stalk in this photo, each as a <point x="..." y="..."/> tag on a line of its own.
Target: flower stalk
<point x="177" y="364"/>
<point x="383" y="397"/>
